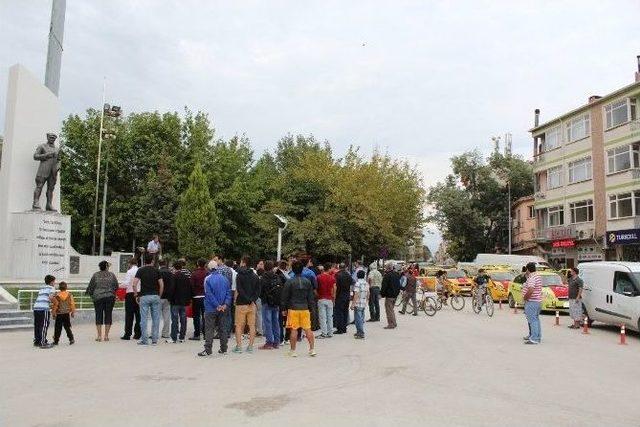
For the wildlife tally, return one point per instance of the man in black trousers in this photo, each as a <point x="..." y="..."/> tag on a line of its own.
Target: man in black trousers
<point x="344" y="281"/>
<point x="131" y="307"/>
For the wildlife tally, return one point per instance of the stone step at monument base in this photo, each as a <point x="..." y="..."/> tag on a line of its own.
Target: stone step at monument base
<point x="11" y="320"/>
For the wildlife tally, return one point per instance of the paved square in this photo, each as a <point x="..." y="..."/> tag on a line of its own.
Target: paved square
<point x="456" y="368"/>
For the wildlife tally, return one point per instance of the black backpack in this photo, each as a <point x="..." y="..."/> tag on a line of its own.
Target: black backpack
<point x="274" y="294"/>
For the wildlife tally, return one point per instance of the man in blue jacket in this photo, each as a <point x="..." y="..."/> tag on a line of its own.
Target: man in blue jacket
<point x="217" y="302"/>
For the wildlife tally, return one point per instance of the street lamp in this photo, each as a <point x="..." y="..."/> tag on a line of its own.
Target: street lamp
<point x="283" y="222"/>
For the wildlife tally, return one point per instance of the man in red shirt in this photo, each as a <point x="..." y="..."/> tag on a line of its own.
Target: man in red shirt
<point x="326" y="296"/>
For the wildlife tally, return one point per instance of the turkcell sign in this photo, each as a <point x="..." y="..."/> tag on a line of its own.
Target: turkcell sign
<point x="624" y="237"/>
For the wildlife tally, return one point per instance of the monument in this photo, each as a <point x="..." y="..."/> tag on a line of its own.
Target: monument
<point x="33" y="242"/>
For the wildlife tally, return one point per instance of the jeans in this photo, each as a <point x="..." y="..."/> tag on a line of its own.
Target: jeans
<point x="198" y="316"/>
<point x="389" y="304"/>
<point x="532" y="312"/>
<point x="325" y="314"/>
<point x="341" y="314"/>
<point x="104" y="310"/>
<point x="166" y="317"/>
<point x="271" y="324"/>
<point x="259" y="326"/>
<point x="374" y="303"/>
<point x="178" y="313"/>
<point x="150" y="303"/>
<point x="131" y="311"/>
<point x="358" y="316"/>
<point x="216" y="321"/>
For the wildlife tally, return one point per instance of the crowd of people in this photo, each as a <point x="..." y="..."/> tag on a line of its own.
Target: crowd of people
<point x="283" y="301"/>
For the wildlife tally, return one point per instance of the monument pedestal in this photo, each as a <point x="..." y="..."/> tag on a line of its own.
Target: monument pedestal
<point x="40" y="245"/>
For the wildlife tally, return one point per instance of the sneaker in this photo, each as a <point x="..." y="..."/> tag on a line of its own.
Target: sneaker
<point x="55" y="343"/>
<point x="181" y="340"/>
<point x="46" y="346"/>
<point x="204" y="353"/>
<point x="72" y="342"/>
<point x="142" y="343"/>
<point x="401" y="312"/>
<point x="531" y="342"/>
<point x="222" y="352"/>
<point x="330" y="336"/>
<point x="275" y="346"/>
<point x="525" y="338"/>
<point x="312" y="353"/>
<point x="237" y="350"/>
<point x="291" y="353"/>
<point x="154" y="342"/>
<point x="170" y="341"/>
<point x="321" y="337"/>
<point x="125" y="338"/>
<point x="195" y="338"/>
<point x="358" y="336"/>
<point x="267" y="346"/>
<point x="249" y="349"/>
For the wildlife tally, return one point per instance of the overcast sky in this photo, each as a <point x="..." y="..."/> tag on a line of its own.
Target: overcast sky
<point x="422" y="80"/>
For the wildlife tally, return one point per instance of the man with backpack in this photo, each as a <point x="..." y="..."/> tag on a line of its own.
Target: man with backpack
<point x="271" y="286"/>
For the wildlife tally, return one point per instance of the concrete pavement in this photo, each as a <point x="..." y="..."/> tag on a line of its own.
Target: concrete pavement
<point x="457" y="368"/>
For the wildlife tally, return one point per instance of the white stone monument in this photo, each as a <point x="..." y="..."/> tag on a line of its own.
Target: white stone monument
<point x="32" y="243"/>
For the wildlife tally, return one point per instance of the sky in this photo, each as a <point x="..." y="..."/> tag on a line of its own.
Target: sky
<point x="422" y="80"/>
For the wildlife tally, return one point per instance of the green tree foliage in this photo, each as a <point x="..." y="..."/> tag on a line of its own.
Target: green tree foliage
<point x="158" y="163"/>
<point x="471" y="206"/>
<point x="197" y="220"/>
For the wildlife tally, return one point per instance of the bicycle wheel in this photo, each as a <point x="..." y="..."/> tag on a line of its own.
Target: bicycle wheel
<point x="410" y="307"/>
<point x="488" y="305"/>
<point x="438" y="303"/>
<point x="475" y="306"/>
<point x="429" y="306"/>
<point x="457" y="302"/>
<point x="399" y="299"/>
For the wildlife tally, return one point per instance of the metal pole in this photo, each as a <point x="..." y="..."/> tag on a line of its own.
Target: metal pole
<point x="509" y="207"/>
<point x="279" y="244"/>
<point x="95" y="205"/>
<point x="104" y="200"/>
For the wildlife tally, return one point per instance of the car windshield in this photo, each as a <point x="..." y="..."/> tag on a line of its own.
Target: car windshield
<point x="551" y="280"/>
<point x="636" y="277"/>
<point x="502" y="275"/>
<point x="455" y="274"/>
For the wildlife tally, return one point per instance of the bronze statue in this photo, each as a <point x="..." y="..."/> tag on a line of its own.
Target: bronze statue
<point x="47" y="155"/>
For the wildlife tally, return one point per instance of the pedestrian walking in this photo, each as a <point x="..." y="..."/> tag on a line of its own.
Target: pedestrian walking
<point x="375" y="281"/>
<point x="63" y="309"/>
<point x="131" y="307"/>
<point x="42" y="312"/>
<point x="217" y="298"/>
<point x="246" y="294"/>
<point x="165" y="304"/>
<point x="410" y="290"/>
<point x="344" y="282"/>
<point x="271" y="285"/>
<point x="102" y="290"/>
<point x="197" y="303"/>
<point x="326" y="294"/>
<point x="297" y="299"/>
<point x="359" y="302"/>
<point x="151" y="287"/>
<point x="389" y="291"/>
<point x="179" y="298"/>
<point x="532" y="295"/>
<point x="575" y="298"/>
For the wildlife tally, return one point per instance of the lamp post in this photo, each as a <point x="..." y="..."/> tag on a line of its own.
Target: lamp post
<point x="95" y="203"/>
<point x="283" y="222"/>
<point x="509" y="207"/>
<point x="115" y="112"/>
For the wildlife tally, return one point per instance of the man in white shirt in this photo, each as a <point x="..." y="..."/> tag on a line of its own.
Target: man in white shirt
<point x="131" y="308"/>
<point x="154" y="248"/>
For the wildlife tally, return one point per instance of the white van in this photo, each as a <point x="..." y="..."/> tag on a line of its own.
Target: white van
<point x="612" y="292"/>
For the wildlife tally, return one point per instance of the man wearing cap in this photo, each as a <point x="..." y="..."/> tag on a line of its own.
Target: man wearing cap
<point x="47" y="155"/>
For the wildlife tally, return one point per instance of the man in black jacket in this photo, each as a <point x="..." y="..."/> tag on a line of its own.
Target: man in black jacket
<point x="344" y="281"/>
<point x="246" y="294"/>
<point x="390" y="291"/>
<point x="179" y="298"/>
<point x="165" y="304"/>
<point x="271" y="286"/>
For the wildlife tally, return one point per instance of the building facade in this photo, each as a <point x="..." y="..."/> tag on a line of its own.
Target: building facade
<point x="587" y="180"/>
<point x="523" y="233"/>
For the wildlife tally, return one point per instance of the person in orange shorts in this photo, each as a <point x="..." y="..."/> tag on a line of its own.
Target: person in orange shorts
<point x="297" y="298"/>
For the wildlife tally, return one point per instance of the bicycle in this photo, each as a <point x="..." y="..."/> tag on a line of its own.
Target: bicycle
<point x="454" y="299"/>
<point x="485" y="299"/>
<point x="426" y="303"/>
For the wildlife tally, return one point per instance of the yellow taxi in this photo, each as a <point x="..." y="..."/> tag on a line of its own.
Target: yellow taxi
<point x="499" y="282"/>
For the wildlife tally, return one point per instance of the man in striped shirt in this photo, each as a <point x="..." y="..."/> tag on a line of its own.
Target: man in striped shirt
<point x="42" y="312"/>
<point x="532" y="295"/>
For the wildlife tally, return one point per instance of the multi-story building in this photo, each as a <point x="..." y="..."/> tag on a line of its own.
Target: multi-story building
<point x="523" y="233"/>
<point x="587" y="180"/>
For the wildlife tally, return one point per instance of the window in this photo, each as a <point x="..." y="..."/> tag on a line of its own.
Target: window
<point x="620" y="112"/>
<point x="581" y="211"/>
<point x="555" y="216"/>
<point x="623" y="284"/>
<point x="532" y="212"/>
<point x="623" y="158"/>
<point x="552" y="138"/>
<point x="554" y="177"/>
<point x="624" y="205"/>
<point x="578" y="128"/>
<point x="580" y="170"/>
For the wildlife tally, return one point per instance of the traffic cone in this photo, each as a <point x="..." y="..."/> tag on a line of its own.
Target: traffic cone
<point x="515" y="307"/>
<point x="585" y="326"/>
<point x="557" y="318"/>
<point x="623" y="335"/>
<point x="499" y="304"/>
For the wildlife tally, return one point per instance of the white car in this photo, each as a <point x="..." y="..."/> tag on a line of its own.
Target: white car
<point x="612" y="292"/>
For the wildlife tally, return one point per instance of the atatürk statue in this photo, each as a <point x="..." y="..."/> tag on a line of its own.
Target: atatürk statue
<point x="47" y="155"/>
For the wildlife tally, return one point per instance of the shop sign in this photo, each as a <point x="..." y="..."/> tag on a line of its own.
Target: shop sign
<point x="564" y="243"/>
<point x="623" y="237"/>
<point x="590" y="257"/>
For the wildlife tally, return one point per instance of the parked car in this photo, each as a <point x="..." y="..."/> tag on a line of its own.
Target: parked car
<point x="555" y="294"/>
<point x="499" y="283"/>
<point x="612" y="292"/>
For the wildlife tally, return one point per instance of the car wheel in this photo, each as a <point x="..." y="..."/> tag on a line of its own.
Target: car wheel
<point x="512" y="301"/>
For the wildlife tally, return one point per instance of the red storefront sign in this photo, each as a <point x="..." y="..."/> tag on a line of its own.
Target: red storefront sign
<point x="564" y="243"/>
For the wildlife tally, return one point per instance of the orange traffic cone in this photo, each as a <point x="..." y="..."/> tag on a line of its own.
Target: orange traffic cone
<point x="623" y="335"/>
<point x="557" y="318"/>
<point x="515" y="307"/>
<point x="585" y="325"/>
<point x="499" y="304"/>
